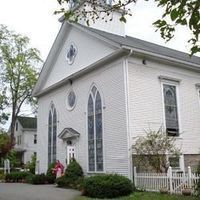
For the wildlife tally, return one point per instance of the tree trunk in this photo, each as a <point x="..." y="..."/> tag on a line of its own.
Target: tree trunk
<point x="12" y="129"/>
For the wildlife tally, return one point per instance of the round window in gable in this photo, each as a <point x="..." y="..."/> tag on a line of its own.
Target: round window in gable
<point x="71" y="100"/>
<point x="71" y="53"/>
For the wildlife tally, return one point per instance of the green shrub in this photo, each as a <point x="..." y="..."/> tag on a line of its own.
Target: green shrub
<point x="16" y="176"/>
<point x="29" y="178"/>
<point x="50" y="177"/>
<point x="2" y="177"/>
<point x="31" y="165"/>
<point x="107" y="186"/>
<point x="62" y="181"/>
<point x="73" y="177"/>
<point x="38" y="179"/>
<point x="73" y="171"/>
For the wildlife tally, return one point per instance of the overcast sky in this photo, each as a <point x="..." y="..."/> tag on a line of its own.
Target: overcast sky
<point x="35" y="19"/>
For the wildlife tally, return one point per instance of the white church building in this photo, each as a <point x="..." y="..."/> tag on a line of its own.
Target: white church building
<point x="100" y="89"/>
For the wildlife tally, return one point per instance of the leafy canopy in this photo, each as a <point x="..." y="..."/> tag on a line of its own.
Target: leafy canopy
<point x="18" y="73"/>
<point x="175" y="13"/>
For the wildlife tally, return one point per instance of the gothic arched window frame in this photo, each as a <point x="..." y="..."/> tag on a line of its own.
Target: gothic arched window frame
<point x="171" y="108"/>
<point x="52" y="134"/>
<point x="95" y="131"/>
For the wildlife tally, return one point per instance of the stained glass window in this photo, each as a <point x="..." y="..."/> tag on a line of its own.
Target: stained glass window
<point x="52" y="135"/>
<point x="71" y="53"/>
<point x="95" y="140"/>
<point x="71" y="99"/>
<point x="171" y="110"/>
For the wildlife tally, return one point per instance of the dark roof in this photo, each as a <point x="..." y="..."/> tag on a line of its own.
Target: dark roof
<point x="146" y="46"/>
<point x="28" y="122"/>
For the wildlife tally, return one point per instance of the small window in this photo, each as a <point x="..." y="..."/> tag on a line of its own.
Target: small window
<point x="35" y="139"/>
<point x="174" y="162"/>
<point x="171" y="110"/>
<point x="16" y="126"/>
<point x="19" y="139"/>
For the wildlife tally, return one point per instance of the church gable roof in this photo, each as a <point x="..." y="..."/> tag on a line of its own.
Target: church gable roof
<point x="117" y="43"/>
<point x="90" y="49"/>
<point x="139" y="44"/>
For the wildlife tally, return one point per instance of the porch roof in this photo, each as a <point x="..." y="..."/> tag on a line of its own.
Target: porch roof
<point x="67" y="133"/>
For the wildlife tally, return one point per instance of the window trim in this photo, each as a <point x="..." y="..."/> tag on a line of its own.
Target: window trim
<point x="35" y="139"/>
<point x="181" y="163"/>
<point x="198" y="92"/>
<point x="176" y="84"/>
<point x="16" y="126"/>
<point x="103" y="142"/>
<point x="51" y="110"/>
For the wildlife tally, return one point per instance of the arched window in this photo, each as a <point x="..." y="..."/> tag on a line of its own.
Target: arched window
<point x="95" y="131"/>
<point x="52" y="134"/>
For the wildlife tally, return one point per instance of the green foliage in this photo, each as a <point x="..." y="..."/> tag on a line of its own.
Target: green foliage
<point x="36" y="179"/>
<point x="28" y="179"/>
<point x="5" y="144"/>
<point x="62" y="181"/>
<point x="73" y="177"/>
<point x="31" y="165"/>
<point x="107" y="186"/>
<point x="18" y="73"/>
<point x="16" y="176"/>
<point x="151" y="150"/>
<point x="2" y="175"/>
<point x="14" y="161"/>
<point x="50" y="177"/>
<point x="73" y="171"/>
<point x="185" y="13"/>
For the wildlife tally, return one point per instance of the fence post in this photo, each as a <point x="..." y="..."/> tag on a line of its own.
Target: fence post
<point x="170" y="179"/>
<point x="135" y="176"/>
<point x="189" y="177"/>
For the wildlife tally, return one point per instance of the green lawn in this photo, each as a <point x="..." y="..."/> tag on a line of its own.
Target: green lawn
<point x="149" y="196"/>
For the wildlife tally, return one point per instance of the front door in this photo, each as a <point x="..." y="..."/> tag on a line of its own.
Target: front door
<point x="70" y="153"/>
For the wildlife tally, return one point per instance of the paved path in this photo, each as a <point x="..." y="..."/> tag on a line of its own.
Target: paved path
<point x="19" y="191"/>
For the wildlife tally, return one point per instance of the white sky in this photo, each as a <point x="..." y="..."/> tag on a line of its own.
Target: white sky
<point x="35" y="19"/>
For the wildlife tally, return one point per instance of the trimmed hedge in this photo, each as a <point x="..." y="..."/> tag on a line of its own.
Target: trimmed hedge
<point x="37" y="179"/>
<point x="107" y="186"/>
<point x="16" y="176"/>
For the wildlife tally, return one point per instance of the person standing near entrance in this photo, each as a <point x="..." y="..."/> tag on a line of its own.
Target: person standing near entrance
<point x="58" y="169"/>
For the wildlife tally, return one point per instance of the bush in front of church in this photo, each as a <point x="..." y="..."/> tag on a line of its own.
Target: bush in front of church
<point x="73" y="176"/>
<point x="107" y="186"/>
<point x="50" y="177"/>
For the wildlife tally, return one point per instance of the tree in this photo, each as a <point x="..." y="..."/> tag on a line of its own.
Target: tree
<point x="5" y="144"/>
<point x="176" y="13"/>
<point x="17" y="73"/>
<point x="152" y="149"/>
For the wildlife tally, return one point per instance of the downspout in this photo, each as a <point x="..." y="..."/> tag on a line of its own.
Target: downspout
<point x="126" y="85"/>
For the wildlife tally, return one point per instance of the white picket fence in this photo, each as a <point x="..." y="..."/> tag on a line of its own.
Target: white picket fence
<point x="172" y="181"/>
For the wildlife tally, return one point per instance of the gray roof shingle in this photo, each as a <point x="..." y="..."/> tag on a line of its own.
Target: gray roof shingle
<point x="146" y="46"/>
<point x="28" y="122"/>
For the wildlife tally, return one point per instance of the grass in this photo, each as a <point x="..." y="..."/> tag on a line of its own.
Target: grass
<point x="148" y="196"/>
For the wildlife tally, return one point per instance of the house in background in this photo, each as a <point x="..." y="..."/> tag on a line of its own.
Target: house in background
<point x="25" y="138"/>
<point x="100" y="89"/>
